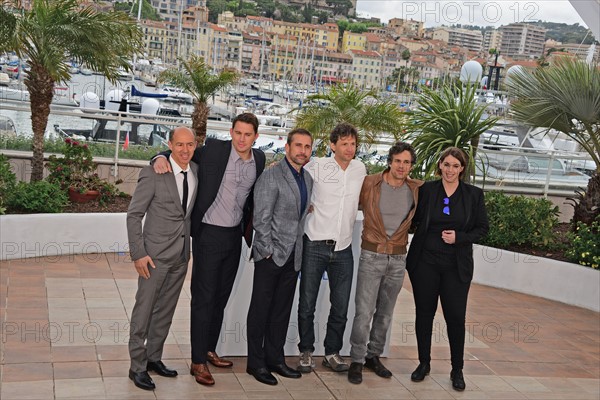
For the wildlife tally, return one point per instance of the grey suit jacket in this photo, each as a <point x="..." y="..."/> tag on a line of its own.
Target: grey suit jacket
<point x="277" y="221"/>
<point x="166" y="231"/>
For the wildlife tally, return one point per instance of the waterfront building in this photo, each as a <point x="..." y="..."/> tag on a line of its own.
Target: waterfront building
<point x="521" y="39"/>
<point x="471" y="39"/>
<point x="366" y="68"/>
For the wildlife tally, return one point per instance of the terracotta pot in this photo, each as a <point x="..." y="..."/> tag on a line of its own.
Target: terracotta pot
<point x="88" y="196"/>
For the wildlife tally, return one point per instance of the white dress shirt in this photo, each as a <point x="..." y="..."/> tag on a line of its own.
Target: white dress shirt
<point x="334" y="199"/>
<point x="179" y="181"/>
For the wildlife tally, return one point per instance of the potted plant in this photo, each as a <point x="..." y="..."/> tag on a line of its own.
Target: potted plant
<point x="75" y="172"/>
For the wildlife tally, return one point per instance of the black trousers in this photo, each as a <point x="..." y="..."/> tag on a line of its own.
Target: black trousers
<point x="269" y="313"/>
<point x="433" y="279"/>
<point x="216" y="254"/>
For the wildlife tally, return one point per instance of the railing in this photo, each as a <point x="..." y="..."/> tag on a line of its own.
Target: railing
<point x="512" y="169"/>
<point x="533" y="171"/>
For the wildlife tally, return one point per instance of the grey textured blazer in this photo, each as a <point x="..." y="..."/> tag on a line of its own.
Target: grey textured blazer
<point x="277" y="221"/>
<point x="166" y="231"/>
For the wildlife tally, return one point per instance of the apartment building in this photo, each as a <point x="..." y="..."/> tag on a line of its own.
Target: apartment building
<point x="160" y="40"/>
<point x="407" y="27"/>
<point x="170" y="10"/>
<point x="325" y="35"/>
<point x="366" y="68"/>
<point x="522" y="40"/>
<point x="459" y="37"/>
<point x="492" y="39"/>
<point x="353" y="41"/>
<point x="231" y="22"/>
<point x="581" y="51"/>
<point x="256" y="48"/>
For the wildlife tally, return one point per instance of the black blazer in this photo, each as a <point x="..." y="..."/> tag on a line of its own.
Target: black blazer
<point x="473" y="228"/>
<point x="212" y="161"/>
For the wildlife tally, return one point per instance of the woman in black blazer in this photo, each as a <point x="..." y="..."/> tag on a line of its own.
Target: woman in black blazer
<point x="450" y="217"/>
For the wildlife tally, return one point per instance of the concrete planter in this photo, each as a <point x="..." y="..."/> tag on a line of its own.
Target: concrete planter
<point x="42" y="235"/>
<point x="551" y="279"/>
<point x="35" y="235"/>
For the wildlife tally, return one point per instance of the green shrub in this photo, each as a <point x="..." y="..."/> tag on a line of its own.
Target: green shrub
<point x="519" y="220"/>
<point x="585" y="244"/>
<point x="7" y="182"/>
<point x="37" y="197"/>
<point x="98" y="149"/>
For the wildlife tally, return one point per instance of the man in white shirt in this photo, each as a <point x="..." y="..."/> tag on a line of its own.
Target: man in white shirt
<point x="327" y="245"/>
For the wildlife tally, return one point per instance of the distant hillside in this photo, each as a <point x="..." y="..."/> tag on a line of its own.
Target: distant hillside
<point x="566" y="33"/>
<point x="560" y="32"/>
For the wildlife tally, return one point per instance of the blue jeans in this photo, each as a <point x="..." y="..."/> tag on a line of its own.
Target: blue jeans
<point x="379" y="280"/>
<point x="317" y="258"/>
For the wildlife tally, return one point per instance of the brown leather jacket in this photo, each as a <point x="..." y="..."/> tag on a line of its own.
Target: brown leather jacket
<point x="374" y="237"/>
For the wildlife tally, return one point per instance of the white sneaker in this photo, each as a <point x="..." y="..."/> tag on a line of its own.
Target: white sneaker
<point x="335" y="362"/>
<point x="306" y="363"/>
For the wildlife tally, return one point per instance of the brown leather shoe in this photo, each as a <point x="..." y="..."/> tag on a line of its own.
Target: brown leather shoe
<point x="202" y="374"/>
<point x="217" y="361"/>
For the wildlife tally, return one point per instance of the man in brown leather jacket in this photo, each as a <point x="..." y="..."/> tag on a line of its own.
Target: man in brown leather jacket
<point x="388" y="201"/>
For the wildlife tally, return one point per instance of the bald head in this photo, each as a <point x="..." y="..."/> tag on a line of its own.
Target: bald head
<point x="181" y="130"/>
<point x="182" y="143"/>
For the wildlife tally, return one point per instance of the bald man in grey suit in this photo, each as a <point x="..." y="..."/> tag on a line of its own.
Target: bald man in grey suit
<point x="160" y="250"/>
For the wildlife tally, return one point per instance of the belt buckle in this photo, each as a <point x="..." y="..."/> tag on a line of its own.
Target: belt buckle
<point x="330" y="242"/>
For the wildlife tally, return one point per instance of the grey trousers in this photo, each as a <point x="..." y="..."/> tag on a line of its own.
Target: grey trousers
<point x="379" y="280"/>
<point x="152" y="314"/>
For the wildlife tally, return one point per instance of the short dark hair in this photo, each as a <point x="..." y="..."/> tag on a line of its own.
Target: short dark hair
<point x="400" y="147"/>
<point x="172" y="131"/>
<point x="457" y="153"/>
<point x="297" y="131"/>
<point x="248" y="118"/>
<point x="343" y="130"/>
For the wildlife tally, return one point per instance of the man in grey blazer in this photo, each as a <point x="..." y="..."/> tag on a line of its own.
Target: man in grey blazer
<point x="281" y="202"/>
<point x="160" y="250"/>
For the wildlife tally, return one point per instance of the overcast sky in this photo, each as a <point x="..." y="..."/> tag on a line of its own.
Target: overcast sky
<point x="476" y="12"/>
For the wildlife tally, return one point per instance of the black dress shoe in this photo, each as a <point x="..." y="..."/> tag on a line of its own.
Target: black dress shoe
<point x="284" y="370"/>
<point x="161" y="369"/>
<point x="458" y="380"/>
<point x="142" y="380"/>
<point x="355" y="373"/>
<point x="376" y="366"/>
<point x="421" y="372"/>
<point x="262" y="375"/>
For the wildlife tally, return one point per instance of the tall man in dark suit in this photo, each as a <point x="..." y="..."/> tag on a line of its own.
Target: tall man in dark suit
<point x="282" y="198"/>
<point x="222" y="215"/>
<point x="160" y="250"/>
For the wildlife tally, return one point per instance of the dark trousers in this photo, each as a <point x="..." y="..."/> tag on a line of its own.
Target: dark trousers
<point x="216" y="254"/>
<point x="439" y="279"/>
<point x="269" y="313"/>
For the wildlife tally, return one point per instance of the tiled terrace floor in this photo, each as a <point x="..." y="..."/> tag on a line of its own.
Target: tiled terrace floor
<point x="64" y="334"/>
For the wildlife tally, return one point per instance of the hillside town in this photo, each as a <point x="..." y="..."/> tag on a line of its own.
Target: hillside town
<point x="270" y="49"/>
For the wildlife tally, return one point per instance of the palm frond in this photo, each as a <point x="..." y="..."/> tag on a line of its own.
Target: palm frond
<point x="564" y="97"/>
<point x="361" y="108"/>
<point x="446" y="119"/>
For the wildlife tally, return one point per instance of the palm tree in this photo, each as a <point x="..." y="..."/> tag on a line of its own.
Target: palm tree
<point x="564" y="97"/>
<point x="361" y="108"/>
<point x="197" y="79"/>
<point x="444" y="119"/>
<point x="53" y="31"/>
